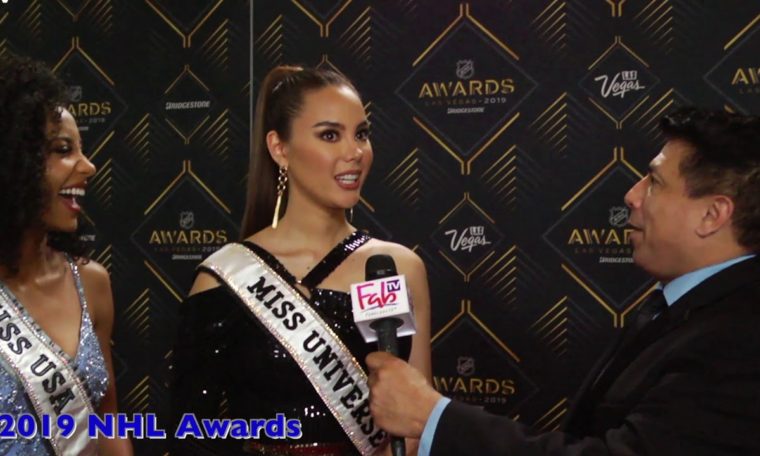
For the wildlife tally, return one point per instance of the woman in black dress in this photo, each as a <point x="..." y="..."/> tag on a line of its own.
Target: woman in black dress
<point x="311" y="154"/>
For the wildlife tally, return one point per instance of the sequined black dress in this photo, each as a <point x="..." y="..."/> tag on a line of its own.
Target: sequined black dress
<point x="226" y="364"/>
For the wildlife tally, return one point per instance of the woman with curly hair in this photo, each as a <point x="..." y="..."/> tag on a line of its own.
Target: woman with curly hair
<point x="56" y="308"/>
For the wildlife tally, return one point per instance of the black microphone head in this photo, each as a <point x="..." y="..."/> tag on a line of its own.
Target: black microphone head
<point x="379" y="266"/>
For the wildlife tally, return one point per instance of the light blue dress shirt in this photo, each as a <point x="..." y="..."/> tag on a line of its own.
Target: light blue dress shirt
<point x="672" y="291"/>
<point x="680" y="286"/>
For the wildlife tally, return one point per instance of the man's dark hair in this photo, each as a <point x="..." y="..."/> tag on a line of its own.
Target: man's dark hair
<point x="725" y="160"/>
<point x="30" y="95"/>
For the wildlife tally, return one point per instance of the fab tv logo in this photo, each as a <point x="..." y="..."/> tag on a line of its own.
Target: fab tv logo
<point x="379" y="293"/>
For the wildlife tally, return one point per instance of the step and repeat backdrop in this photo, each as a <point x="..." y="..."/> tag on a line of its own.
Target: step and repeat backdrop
<point x="160" y="90"/>
<point x="506" y="133"/>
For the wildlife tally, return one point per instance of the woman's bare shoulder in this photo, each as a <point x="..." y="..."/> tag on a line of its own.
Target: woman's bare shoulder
<point x="204" y="281"/>
<point x="94" y="275"/>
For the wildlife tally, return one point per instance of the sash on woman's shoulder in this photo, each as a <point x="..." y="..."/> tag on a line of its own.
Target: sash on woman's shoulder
<point x="51" y="384"/>
<point x="324" y="359"/>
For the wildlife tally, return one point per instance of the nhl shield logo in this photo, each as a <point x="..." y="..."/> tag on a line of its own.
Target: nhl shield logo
<point x="465" y="69"/>
<point x="75" y="93"/>
<point x="618" y="216"/>
<point x="186" y="219"/>
<point x="465" y="365"/>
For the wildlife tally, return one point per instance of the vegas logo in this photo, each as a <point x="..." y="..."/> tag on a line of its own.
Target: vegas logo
<point x="469" y="238"/>
<point x="620" y="84"/>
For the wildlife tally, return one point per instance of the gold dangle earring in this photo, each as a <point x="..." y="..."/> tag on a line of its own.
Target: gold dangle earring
<point x="351" y="215"/>
<point x="282" y="180"/>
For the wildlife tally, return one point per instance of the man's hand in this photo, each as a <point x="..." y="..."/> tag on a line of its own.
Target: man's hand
<point x="400" y="398"/>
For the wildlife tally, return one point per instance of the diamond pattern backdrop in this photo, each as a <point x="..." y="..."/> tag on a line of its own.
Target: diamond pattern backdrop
<point x="506" y="133"/>
<point x="161" y="94"/>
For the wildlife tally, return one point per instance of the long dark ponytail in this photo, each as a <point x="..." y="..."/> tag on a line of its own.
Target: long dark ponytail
<point x="280" y="99"/>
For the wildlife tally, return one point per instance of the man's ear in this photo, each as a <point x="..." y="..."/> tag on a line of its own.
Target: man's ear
<point x="717" y="215"/>
<point x="277" y="149"/>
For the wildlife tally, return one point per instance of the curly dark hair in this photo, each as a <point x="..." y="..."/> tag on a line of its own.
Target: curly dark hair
<point x="30" y="95"/>
<point x="725" y="160"/>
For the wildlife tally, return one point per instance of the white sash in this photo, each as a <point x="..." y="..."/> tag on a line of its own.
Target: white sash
<point x="327" y="363"/>
<point x="50" y="382"/>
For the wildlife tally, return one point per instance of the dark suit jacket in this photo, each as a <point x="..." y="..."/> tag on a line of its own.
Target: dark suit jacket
<point x="687" y="384"/>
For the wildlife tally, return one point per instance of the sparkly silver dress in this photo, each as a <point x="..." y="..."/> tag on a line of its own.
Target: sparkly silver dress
<point x="88" y="363"/>
<point x="226" y="364"/>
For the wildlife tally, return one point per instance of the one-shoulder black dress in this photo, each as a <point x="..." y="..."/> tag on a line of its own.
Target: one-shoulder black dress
<point x="227" y="365"/>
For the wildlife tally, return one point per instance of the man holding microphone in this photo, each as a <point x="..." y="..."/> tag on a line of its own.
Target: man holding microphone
<point x="684" y="377"/>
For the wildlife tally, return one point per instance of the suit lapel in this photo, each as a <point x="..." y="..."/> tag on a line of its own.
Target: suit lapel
<point x="579" y="413"/>
<point x="714" y="289"/>
<point x="629" y="346"/>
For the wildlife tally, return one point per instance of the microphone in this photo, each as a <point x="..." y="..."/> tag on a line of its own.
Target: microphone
<point x="382" y="312"/>
<point x="379" y="267"/>
<point x="381" y="302"/>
